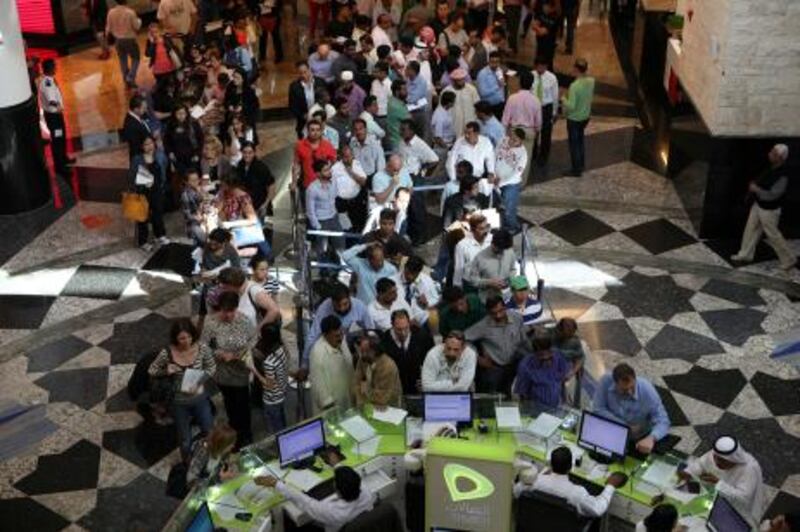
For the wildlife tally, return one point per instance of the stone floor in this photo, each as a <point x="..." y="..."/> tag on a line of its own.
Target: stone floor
<point x="79" y="306"/>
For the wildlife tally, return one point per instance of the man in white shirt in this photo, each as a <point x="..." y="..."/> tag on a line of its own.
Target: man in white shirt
<point x="556" y="482"/>
<point x="417" y="289"/>
<point x="478" y="150"/>
<point x="350" y="500"/>
<point x="450" y="366"/>
<point x="385" y="302"/>
<point x="350" y="180"/>
<point x="469" y="246"/>
<point x="418" y="157"/>
<point x="510" y="163"/>
<point x="374" y="130"/>
<point x="734" y="473"/>
<point x="463" y="110"/>
<point x="382" y="89"/>
<point x="380" y="33"/>
<point x="545" y="88"/>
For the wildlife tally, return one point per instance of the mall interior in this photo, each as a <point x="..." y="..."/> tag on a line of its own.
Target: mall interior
<point x="399" y="264"/>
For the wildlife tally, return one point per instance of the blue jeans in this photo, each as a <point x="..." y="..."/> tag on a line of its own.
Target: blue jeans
<point x="510" y="194"/>
<point x="274" y="417"/>
<point x="128" y="49"/>
<point x="577" y="146"/>
<point x="198" y="408"/>
<point x="442" y="263"/>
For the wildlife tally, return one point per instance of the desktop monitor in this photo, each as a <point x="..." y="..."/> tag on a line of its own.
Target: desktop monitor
<point x="201" y="522"/>
<point x="451" y="407"/>
<point x="725" y="518"/>
<point x="605" y="437"/>
<point x="300" y="442"/>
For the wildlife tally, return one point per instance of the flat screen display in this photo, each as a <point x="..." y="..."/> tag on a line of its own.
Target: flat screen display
<point x="201" y="522"/>
<point x="725" y="518"/>
<point x="603" y="435"/>
<point x="300" y="442"/>
<point x="456" y="407"/>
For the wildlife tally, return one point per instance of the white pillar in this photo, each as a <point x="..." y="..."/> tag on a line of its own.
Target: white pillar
<point x="13" y="70"/>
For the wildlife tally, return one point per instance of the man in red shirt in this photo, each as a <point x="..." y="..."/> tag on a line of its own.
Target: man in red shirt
<point x="310" y="149"/>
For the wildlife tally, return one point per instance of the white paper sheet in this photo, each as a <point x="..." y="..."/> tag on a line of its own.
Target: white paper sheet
<point x="392" y="415"/>
<point x="302" y="479"/>
<point x="682" y="496"/>
<point x="544" y="426"/>
<point x="192" y="379"/>
<point x="523" y="438"/>
<point x="661" y="474"/>
<point x="508" y="417"/>
<point x="367" y="448"/>
<point x="358" y="428"/>
<point x="598" y="471"/>
<point x="252" y="493"/>
<point x="227" y="507"/>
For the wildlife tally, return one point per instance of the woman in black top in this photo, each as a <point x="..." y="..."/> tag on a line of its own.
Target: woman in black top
<point x="183" y="140"/>
<point x="148" y="176"/>
<point x="240" y="98"/>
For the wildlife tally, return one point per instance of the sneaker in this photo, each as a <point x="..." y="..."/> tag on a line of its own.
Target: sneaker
<point x="163" y="241"/>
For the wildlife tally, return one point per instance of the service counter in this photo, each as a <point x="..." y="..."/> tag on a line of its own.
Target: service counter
<point x="380" y="462"/>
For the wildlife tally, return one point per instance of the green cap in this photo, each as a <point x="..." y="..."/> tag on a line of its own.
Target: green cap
<point x="519" y="282"/>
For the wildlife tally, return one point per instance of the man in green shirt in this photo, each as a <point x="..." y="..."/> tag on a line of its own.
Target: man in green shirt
<point x="577" y="104"/>
<point x="459" y="311"/>
<point x="396" y="112"/>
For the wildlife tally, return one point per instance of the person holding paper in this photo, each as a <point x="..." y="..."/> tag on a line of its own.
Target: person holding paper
<point x="735" y="474"/>
<point x="377" y="380"/>
<point x="449" y="367"/>
<point x="350" y="500"/>
<point x="148" y="176"/>
<point x="623" y="396"/>
<point x="182" y="367"/>
<point x="556" y="482"/>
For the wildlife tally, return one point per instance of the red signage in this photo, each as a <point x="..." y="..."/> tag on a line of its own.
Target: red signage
<point x="36" y="16"/>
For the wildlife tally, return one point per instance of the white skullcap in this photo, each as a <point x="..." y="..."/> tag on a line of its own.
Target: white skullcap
<point x="347" y="75"/>
<point x="782" y="150"/>
<point x="727" y="448"/>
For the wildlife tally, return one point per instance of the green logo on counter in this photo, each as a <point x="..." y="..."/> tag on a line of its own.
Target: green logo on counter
<point x="482" y="486"/>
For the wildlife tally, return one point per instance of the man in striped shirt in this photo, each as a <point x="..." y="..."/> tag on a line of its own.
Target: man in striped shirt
<point x="523" y="302"/>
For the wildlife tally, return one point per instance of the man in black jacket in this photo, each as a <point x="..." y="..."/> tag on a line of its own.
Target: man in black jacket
<point x="134" y="129"/>
<point x="301" y="95"/>
<point x="407" y="345"/>
<point x="257" y="179"/>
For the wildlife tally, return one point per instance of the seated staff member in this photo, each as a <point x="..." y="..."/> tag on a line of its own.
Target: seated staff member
<point x="663" y="518"/>
<point x="349" y="502"/>
<point x="556" y="482"/>
<point x="377" y="380"/>
<point x="735" y="473"/>
<point x="449" y="367"/>
<point x="623" y="396"/>
<point x="407" y="345"/>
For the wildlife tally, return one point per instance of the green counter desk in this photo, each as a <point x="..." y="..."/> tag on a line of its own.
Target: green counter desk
<point x="389" y="458"/>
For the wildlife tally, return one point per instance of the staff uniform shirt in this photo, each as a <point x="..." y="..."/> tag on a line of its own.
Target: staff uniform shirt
<point x="438" y="375"/>
<point x="416" y="153"/>
<point x="576" y="496"/>
<point x="510" y="163"/>
<point x="481" y="155"/>
<point x="369" y="155"/>
<point x="547" y="85"/>
<point x="50" y="98"/>
<point x="346" y="187"/>
<point x="644" y="409"/>
<point x="332" y="513"/>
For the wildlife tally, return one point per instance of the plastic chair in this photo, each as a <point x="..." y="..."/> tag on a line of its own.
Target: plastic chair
<point x="545" y="512"/>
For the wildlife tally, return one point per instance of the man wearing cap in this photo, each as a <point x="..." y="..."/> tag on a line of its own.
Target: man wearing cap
<point x="767" y="192"/>
<point x="522" y="302"/>
<point x="377" y="379"/>
<point x="632" y="400"/>
<point x="353" y="93"/>
<point x="735" y="474"/>
<point x="463" y="110"/>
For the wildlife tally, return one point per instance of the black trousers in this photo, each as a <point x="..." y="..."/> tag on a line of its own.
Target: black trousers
<point x="479" y="19"/>
<point x="541" y="148"/>
<point x="155" y="197"/>
<point x="58" y="141"/>
<point x="356" y="209"/>
<point x="265" y="22"/>
<point x="237" y="408"/>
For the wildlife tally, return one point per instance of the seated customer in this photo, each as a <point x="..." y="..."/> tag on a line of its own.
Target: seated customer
<point x="377" y="381"/>
<point x="449" y="367"/>
<point x="622" y="396"/>
<point x="663" y="518"/>
<point x="556" y="482"/>
<point x="540" y="376"/>
<point x="349" y="502"/>
<point x="407" y="345"/>
<point x="735" y="474"/>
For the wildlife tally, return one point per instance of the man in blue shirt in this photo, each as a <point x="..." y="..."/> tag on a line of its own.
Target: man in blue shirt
<point x="490" y="126"/>
<point x="634" y="401"/>
<point x="369" y="269"/>
<point x="540" y="376"/>
<point x="491" y="84"/>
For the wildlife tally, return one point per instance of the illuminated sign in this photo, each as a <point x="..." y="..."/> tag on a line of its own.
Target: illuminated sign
<point x="481" y="488"/>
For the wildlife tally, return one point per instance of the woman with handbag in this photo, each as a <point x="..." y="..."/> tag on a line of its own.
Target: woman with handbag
<point x="183" y="141"/>
<point x="236" y="211"/>
<point x="148" y="178"/>
<point x="163" y="55"/>
<point x="184" y="365"/>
